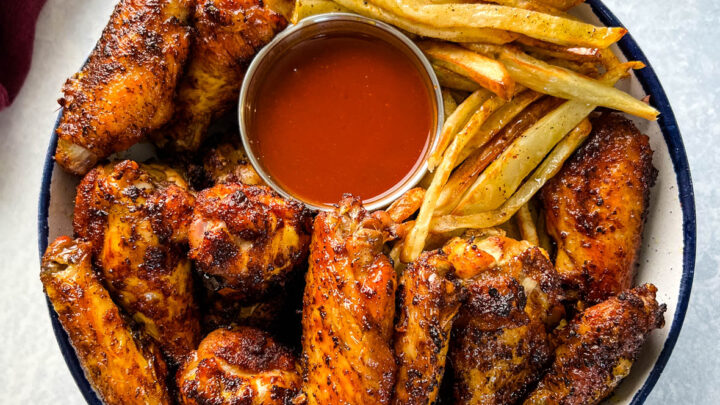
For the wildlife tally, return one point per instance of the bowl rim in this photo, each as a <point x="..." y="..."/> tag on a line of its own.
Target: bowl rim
<point x="673" y="140"/>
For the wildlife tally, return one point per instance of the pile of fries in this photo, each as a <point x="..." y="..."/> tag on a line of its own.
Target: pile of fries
<point x="520" y="78"/>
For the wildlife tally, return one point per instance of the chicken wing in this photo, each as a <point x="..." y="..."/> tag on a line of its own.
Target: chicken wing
<point x="127" y="85"/>
<point x="122" y="367"/>
<point x="595" y="208"/>
<point x="136" y="217"/>
<point x="239" y="365"/>
<point x="229" y="33"/>
<point x="348" y="310"/>
<point x="228" y="163"/>
<point x="598" y="348"/>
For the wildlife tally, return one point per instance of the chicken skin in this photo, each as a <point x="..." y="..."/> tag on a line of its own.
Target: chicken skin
<point x="126" y="88"/>
<point x="500" y="344"/>
<point x="348" y="310"/>
<point x="595" y="209"/>
<point x="239" y="365"/>
<point x="136" y="217"/>
<point x="121" y="366"/>
<point x="598" y="348"/>
<point x="228" y="163"/>
<point x="229" y="33"/>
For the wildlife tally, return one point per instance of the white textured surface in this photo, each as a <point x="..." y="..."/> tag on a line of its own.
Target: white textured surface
<point x="679" y="38"/>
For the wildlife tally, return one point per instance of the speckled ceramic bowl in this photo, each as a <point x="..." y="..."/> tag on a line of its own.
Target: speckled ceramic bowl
<point x="668" y="251"/>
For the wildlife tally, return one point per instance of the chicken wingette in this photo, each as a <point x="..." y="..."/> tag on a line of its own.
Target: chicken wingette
<point x="121" y="366"/>
<point x="228" y="34"/>
<point x="127" y="86"/>
<point x="348" y="310"/>
<point x="595" y="209"/>
<point x="136" y="217"/>
<point x="598" y="348"/>
<point x="239" y="365"/>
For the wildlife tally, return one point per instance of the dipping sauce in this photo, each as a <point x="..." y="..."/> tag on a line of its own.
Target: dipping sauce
<point x="342" y="114"/>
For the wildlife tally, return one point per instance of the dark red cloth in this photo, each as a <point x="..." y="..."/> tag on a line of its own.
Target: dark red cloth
<point x="17" y="32"/>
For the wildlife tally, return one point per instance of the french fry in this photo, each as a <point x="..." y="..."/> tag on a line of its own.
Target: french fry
<point x="452" y="80"/>
<point x="306" y="8"/>
<point x="402" y="208"/>
<point x="485" y="35"/>
<point x="585" y="68"/>
<point x="548" y="50"/>
<point x="608" y="58"/>
<point x="467" y="173"/>
<point x="455" y="122"/>
<point x="484" y="71"/>
<point x="560" y="4"/>
<point x="549" y="168"/>
<point x="547" y="27"/>
<point x="415" y="240"/>
<point x="449" y="103"/>
<point x="283" y="7"/>
<point x="526" y="225"/>
<point x="504" y="175"/>
<point x="564" y="83"/>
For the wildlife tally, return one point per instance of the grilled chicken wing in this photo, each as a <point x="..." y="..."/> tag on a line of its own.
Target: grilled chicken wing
<point x="122" y="367"/>
<point x="348" y="310"/>
<point x="229" y="33"/>
<point x="500" y="343"/>
<point x="595" y="208"/>
<point x="228" y="163"/>
<point x="137" y="219"/>
<point x="127" y="86"/>
<point x="239" y="365"/>
<point x="598" y="348"/>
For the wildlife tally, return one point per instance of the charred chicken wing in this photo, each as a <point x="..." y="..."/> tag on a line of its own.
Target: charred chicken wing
<point x="136" y="217"/>
<point x="348" y="310"/>
<point x="121" y="366"/>
<point x="127" y="86"/>
<point x="239" y="365"/>
<point x="595" y="208"/>
<point x="229" y="33"/>
<point x="228" y="163"/>
<point x="598" y="348"/>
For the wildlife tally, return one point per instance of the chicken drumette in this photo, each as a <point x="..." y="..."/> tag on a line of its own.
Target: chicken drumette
<point x="136" y="218"/>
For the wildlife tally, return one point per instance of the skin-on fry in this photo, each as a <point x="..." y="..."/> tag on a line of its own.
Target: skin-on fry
<point x="415" y="240"/>
<point x="455" y="122"/>
<point x="547" y="27"/>
<point x="549" y="168"/>
<point x="307" y="8"/>
<point x="449" y="103"/>
<point x="465" y="175"/>
<point x="504" y="175"/>
<point x="450" y="79"/>
<point x="526" y="225"/>
<point x="485" y="35"/>
<point x="486" y="72"/>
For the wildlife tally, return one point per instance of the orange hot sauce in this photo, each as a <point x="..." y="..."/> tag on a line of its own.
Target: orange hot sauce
<point x="344" y="114"/>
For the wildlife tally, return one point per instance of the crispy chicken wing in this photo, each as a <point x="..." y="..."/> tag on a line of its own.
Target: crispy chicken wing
<point x="598" y="348"/>
<point x="595" y="208"/>
<point x="239" y="365"/>
<point x="500" y="343"/>
<point x="137" y="219"/>
<point x="127" y="86"/>
<point x="348" y="310"/>
<point x="229" y="33"/>
<point x="228" y="163"/>
<point x="120" y="365"/>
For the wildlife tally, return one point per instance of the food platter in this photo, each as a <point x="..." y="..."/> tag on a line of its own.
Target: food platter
<point x="668" y="250"/>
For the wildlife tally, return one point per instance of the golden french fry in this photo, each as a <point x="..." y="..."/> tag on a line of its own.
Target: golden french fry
<point x="526" y="225"/>
<point x="608" y="58"/>
<point x="485" y="35"/>
<point x="449" y="103"/>
<point x="549" y="168"/>
<point x="402" y="208"/>
<point x="548" y="50"/>
<point x="547" y="27"/>
<point x="306" y="8"/>
<point x="452" y="80"/>
<point x="504" y="175"/>
<point x="563" y="83"/>
<point x="415" y="239"/>
<point x="560" y="4"/>
<point x="470" y="169"/>
<point x="485" y="71"/>
<point x="584" y="68"/>
<point x="455" y="122"/>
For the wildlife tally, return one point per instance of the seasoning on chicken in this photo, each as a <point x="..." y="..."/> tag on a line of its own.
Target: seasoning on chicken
<point x="595" y="208"/>
<point x="348" y="310"/>
<point x="126" y="87"/>
<point x="228" y="34"/>
<point x="121" y="366"/>
<point x="240" y="365"/>
<point x="598" y="348"/>
<point x="228" y="163"/>
<point x="136" y="217"/>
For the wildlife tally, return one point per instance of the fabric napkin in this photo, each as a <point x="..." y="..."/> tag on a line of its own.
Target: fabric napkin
<point x="17" y="32"/>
